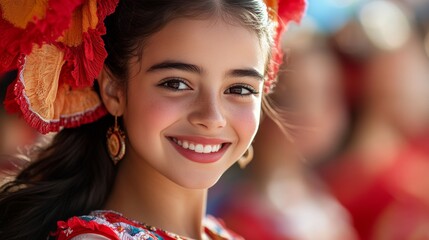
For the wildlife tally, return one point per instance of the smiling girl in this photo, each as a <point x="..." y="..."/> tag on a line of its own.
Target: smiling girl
<point x="178" y="97"/>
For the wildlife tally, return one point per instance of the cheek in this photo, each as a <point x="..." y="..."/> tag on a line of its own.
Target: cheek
<point x="151" y="114"/>
<point x="145" y="118"/>
<point x="245" y="121"/>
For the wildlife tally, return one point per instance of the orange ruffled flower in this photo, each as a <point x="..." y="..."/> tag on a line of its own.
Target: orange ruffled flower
<point x="58" y="57"/>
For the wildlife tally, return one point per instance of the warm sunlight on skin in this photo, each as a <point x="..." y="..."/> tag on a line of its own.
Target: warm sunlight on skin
<point x="199" y="82"/>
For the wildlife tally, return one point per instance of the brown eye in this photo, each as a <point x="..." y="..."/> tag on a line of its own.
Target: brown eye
<point x="242" y="90"/>
<point x="175" y="84"/>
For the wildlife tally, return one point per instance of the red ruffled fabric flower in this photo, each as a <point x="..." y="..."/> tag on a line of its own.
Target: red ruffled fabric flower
<point x="58" y="51"/>
<point x="31" y="22"/>
<point x="282" y="12"/>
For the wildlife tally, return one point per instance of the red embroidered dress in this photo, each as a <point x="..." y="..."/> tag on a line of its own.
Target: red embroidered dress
<point x="113" y="225"/>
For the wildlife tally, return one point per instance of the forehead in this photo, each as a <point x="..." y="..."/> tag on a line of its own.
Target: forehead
<point x="205" y="42"/>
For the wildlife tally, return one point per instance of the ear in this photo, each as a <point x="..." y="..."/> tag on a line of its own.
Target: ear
<point x="112" y="93"/>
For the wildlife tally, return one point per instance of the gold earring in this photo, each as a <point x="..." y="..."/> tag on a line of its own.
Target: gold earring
<point x="115" y="142"/>
<point x="246" y="158"/>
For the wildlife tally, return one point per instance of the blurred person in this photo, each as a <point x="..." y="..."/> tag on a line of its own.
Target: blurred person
<point x="381" y="176"/>
<point x="280" y="197"/>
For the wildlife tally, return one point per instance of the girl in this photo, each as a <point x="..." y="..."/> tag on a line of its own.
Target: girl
<point x="182" y="85"/>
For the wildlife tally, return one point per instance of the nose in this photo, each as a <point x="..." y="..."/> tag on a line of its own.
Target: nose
<point x="207" y="113"/>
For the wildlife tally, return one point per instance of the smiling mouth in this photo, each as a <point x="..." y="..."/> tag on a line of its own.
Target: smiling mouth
<point x="198" y="147"/>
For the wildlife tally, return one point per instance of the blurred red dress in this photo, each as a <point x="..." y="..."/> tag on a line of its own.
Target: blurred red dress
<point x="286" y="210"/>
<point x="392" y="204"/>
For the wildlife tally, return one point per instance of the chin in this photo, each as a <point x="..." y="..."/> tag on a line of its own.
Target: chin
<point x="203" y="181"/>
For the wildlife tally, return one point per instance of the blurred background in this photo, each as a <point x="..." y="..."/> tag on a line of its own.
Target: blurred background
<point x="16" y="137"/>
<point x="354" y="87"/>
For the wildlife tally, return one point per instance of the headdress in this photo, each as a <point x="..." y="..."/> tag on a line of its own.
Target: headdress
<point x="281" y="12"/>
<point x="56" y="46"/>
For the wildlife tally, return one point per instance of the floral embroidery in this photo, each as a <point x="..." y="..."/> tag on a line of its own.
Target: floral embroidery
<point x="115" y="226"/>
<point x="68" y="231"/>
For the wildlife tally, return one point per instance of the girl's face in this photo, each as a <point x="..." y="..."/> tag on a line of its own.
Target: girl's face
<point x="193" y="100"/>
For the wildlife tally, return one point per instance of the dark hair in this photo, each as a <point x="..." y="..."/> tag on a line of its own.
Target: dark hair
<point x="144" y="18"/>
<point x="74" y="174"/>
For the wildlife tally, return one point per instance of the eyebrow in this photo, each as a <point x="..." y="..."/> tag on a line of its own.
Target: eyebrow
<point x="175" y="65"/>
<point x="245" y="72"/>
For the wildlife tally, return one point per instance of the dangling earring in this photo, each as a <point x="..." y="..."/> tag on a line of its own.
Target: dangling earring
<point x="246" y="158"/>
<point x="115" y="142"/>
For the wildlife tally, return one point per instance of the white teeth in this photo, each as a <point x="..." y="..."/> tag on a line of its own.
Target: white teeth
<point x="207" y="149"/>
<point x="192" y="146"/>
<point x="199" y="148"/>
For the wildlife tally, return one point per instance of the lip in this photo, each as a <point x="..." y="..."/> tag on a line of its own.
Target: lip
<point x="200" y="157"/>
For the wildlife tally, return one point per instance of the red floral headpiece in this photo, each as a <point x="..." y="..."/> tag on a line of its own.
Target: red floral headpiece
<point x="281" y="12"/>
<point x="56" y="46"/>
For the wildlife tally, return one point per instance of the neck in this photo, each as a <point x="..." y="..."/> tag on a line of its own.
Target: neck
<point x="143" y="194"/>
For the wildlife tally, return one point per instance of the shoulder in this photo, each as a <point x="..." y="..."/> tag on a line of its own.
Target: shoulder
<point x="101" y="225"/>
